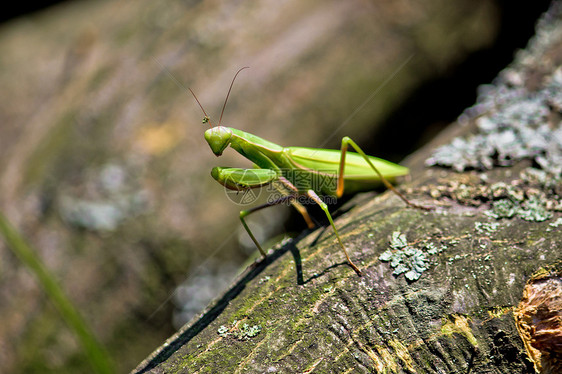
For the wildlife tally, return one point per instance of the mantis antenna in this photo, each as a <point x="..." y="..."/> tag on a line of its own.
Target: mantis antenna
<point x="206" y="118"/>
<point x="228" y="94"/>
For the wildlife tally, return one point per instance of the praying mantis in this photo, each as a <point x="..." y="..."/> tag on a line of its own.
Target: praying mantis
<point x="299" y="171"/>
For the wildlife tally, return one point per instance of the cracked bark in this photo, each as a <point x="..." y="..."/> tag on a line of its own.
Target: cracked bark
<point x="304" y="310"/>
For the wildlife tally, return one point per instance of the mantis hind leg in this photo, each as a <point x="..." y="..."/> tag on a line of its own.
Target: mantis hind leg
<point x="324" y="207"/>
<point x="345" y="143"/>
<point x="304" y="213"/>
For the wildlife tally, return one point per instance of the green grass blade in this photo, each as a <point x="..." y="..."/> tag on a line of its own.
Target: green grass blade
<point x="98" y="356"/>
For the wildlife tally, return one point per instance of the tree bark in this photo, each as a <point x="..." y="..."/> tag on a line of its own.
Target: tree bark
<point x="304" y="310"/>
<point x="103" y="164"/>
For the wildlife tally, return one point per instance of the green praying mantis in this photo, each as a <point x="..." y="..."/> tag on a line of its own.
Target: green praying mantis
<point x="299" y="171"/>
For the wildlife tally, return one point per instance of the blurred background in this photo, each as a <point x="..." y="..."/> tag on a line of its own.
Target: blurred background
<point x="103" y="165"/>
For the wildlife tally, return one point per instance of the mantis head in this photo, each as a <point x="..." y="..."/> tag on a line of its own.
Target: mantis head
<point x="218" y="138"/>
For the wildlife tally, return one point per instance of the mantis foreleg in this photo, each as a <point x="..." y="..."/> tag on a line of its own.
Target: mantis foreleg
<point x="245" y="213"/>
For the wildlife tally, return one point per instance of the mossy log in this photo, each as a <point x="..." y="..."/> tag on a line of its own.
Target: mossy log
<point x="450" y="304"/>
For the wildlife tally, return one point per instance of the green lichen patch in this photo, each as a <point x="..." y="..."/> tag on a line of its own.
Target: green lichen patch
<point x="534" y="196"/>
<point x="532" y="209"/>
<point x="556" y="223"/>
<point x="503" y="208"/>
<point x="406" y="259"/>
<point x="432" y="249"/>
<point x="245" y="332"/>
<point x="398" y="240"/>
<point x="264" y="279"/>
<point x="486" y="227"/>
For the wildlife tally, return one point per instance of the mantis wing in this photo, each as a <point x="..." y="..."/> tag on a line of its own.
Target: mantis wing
<point x="356" y="168"/>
